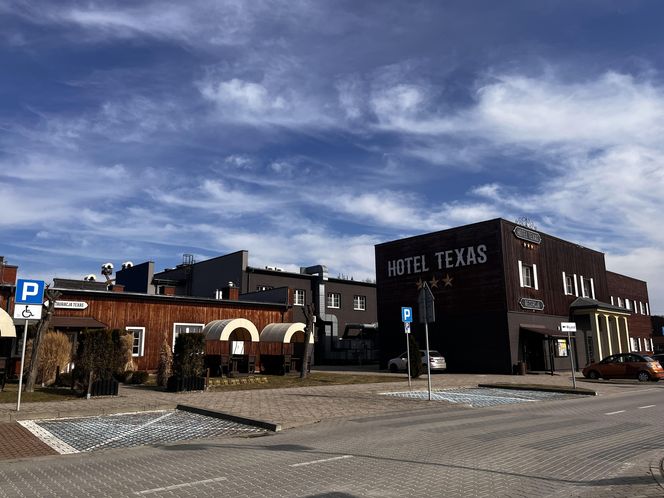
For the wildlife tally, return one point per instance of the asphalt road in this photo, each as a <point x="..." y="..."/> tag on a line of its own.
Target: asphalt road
<point x="586" y="447"/>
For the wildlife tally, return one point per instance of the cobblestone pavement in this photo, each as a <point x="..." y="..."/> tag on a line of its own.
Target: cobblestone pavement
<point x="605" y="446"/>
<point x="132" y="429"/>
<point x="18" y="442"/>
<point x="479" y="397"/>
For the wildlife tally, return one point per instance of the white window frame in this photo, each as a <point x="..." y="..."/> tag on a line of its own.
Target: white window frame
<point x="635" y="343"/>
<point x="570" y="291"/>
<point x="141" y="344"/>
<point x="647" y="309"/>
<point x="522" y="275"/>
<point x="628" y="304"/>
<point x="612" y="300"/>
<point x="359" y="302"/>
<point x="620" y="302"/>
<point x="576" y="287"/>
<point x="299" y="297"/>
<point x="334" y="300"/>
<point x="175" y="325"/>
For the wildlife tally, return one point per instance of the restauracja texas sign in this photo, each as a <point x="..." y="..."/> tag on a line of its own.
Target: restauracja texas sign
<point x="452" y="258"/>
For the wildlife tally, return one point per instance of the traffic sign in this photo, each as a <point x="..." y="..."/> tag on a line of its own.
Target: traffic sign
<point x="425" y="301"/>
<point x="29" y="292"/>
<point x="406" y="327"/>
<point x="568" y="327"/>
<point x="27" y="311"/>
<point x="406" y="314"/>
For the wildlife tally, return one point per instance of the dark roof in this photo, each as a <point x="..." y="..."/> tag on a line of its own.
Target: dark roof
<point x="587" y="303"/>
<point x="76" y="322"/>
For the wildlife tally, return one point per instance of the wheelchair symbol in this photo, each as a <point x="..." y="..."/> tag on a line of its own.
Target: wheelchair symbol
<point x="27" y="313"/>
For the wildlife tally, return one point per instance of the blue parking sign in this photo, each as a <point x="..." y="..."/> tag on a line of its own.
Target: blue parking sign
<point x="29" y="291"/>
<point x="406" y="314"/>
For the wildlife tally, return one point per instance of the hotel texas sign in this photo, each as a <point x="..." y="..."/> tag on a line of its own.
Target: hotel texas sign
<point x="441" y="260"/>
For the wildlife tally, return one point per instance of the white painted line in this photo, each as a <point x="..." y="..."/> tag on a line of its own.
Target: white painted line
<point x="135" y="429"/>
<point x="647" y="406"/>
<point x="47" y="437"/>
<point x="178" y="486"/>
<point x="320" y="461"/>
<point x="613" y="413"/>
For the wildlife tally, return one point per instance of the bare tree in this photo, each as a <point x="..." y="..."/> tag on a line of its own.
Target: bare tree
<point x="524" y="221"/>
<point x="309" y="316"/>
<point x="52" y="296"/>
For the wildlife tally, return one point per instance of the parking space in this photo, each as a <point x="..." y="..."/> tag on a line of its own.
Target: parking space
<point x="480" y="396"/>
<point x="132" y="429"/>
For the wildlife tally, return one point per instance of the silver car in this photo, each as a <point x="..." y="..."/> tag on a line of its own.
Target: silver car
<point x="436" y="361"/>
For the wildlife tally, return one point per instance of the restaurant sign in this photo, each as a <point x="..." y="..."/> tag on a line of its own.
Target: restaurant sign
<point x="71" y="305"/>
<point x="531" y="304"/>
<point x="527" y="235"/>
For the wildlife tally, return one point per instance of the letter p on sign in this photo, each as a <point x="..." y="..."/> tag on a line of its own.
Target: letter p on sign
<point x="29" y="291"/>
<point x="406" y="315"/>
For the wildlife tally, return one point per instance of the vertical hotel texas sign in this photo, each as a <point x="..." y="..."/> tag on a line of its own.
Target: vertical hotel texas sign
<point x="441" y="260"/>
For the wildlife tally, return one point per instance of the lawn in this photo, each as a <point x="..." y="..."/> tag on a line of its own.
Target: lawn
<point x="10" y="394"/>
<point x="285" y="381"/>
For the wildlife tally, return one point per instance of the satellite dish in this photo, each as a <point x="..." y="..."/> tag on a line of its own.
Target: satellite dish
<point x="90" y="278"/>
<point x="127" y="264"/>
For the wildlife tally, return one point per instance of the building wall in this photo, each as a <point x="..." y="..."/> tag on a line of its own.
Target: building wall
<point x="464" y="267"/>
<point x="640" y="324"/>
<point x="158" y="314"/>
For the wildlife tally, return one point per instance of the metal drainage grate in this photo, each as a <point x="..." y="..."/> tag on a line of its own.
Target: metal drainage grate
<point x="480" y="396"/>
<point x="132" y="429"/>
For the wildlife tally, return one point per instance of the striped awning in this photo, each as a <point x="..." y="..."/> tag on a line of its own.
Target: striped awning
<point x="7" y="328"/>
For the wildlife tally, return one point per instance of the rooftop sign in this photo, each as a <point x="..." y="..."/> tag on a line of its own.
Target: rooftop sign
<point x="527" y="235"/>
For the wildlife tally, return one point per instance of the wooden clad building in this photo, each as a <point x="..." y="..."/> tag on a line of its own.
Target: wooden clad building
<point x="153" y="319"/>
<point x="501" y="290"/>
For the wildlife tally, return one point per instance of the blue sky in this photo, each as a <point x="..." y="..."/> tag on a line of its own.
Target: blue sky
<point x="308" y="131"/>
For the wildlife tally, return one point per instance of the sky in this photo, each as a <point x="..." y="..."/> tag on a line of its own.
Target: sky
<point x="306" y="132"/>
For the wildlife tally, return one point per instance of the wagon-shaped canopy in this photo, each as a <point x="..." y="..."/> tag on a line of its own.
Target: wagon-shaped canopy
<point x="285" y="333"/>
<point x="233" y="329"/>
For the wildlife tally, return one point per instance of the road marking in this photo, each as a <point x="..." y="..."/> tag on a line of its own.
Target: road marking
<point x="613" y="413"/>
<point x="178" y="486"/>
<point x="135" y="429"/>
<point x="320" y="461"/>
<point x="49" y="438"/>
<point x="647" y="406"/>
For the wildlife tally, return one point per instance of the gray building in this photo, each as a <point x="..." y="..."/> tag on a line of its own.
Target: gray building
<point x="345" y="310"/>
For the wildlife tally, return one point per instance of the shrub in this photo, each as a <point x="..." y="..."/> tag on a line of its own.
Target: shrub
<point x="124" y="377"/>
<point x="105" y="353"/>
<point x="140" y="377"/>
<point x="189" y="354"/>
<point x="416" y="367"/>
<point x="64" y="380"/>
<point x="165" y="364"/>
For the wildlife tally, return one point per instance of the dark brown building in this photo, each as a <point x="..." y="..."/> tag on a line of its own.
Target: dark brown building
<point x="501" y="292"/>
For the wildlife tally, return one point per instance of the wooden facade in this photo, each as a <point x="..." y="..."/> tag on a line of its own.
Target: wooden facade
<point x="501" y="291"/>
<point x="159" y="314"/>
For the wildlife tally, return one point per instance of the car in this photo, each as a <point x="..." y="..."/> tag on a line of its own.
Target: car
<point x="625" y="366"/>
<point x="659" y="357"/>
<point x="436" y="362"/>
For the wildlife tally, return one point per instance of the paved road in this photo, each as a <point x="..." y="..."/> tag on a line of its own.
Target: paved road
<point x="588" y="447"/>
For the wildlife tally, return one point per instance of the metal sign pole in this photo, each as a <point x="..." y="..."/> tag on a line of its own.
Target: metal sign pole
<point x="571" y="357"/>
<point x="410" y="388"/>
<point x="20" y="378"/>
<point x="426" y="334"/>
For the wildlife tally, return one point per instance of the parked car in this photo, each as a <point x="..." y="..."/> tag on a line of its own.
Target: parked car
<point x="436" y="361"/>
<point x="659" y="357"/>
<point x="625" y="366"/>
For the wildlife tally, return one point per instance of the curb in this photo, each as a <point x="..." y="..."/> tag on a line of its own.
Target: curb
<point x="517" y="387"/>
<point x="233" y="418"/>
<point x="657" y="471"/>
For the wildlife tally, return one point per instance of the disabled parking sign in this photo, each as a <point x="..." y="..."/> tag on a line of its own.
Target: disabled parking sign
<point x="28" y="300"/>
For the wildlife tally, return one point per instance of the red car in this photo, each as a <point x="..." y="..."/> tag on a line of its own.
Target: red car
<point x="625" y="366"/>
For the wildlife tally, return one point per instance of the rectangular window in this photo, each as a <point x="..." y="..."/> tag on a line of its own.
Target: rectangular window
<point x="569" y="285"/>
<point x="635" y="344"/>
<point x="612" y="300"/>
<point x="298" y="298"/>
<point x="359" y="303"/>
<point x="186" y="328"/>
<point x="333" y="300"/>
<point x="628" y="304"/>
<point x="586" y="287"/>
<point x="139" y="340"/>
<point x="527" y="276"/>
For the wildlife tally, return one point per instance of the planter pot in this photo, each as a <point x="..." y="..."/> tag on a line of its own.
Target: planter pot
<point x="176" y="384"/>
<point x="108" y="387"/>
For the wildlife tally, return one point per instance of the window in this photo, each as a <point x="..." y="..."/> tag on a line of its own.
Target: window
<point x="528" y="275"/>
<point x="185" y="328"/>
<point x="139" y="340"/>
<point x="643" y="309"/>
<point x="333" y="300"/>
<point x="587" y="287"/>
<point x="620" y="302"/>
<point x="298" y="298"/>
<point x="628" y="304"/>
<point x="569" y="284"/>
<point x="635" y="344"/>
<point x="612" y="300"/>
<point x="359" y="303"/>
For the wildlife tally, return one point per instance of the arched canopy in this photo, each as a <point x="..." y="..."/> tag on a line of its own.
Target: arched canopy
<point x="7" y="328"/>
<point x="283" y="332"/>
<point x="221" y="330"/>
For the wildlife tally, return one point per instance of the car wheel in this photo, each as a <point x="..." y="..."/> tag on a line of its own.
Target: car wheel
<point x="393" y="368"/>
<point x="593" y="374"/>
<point x="643" y="376"/>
